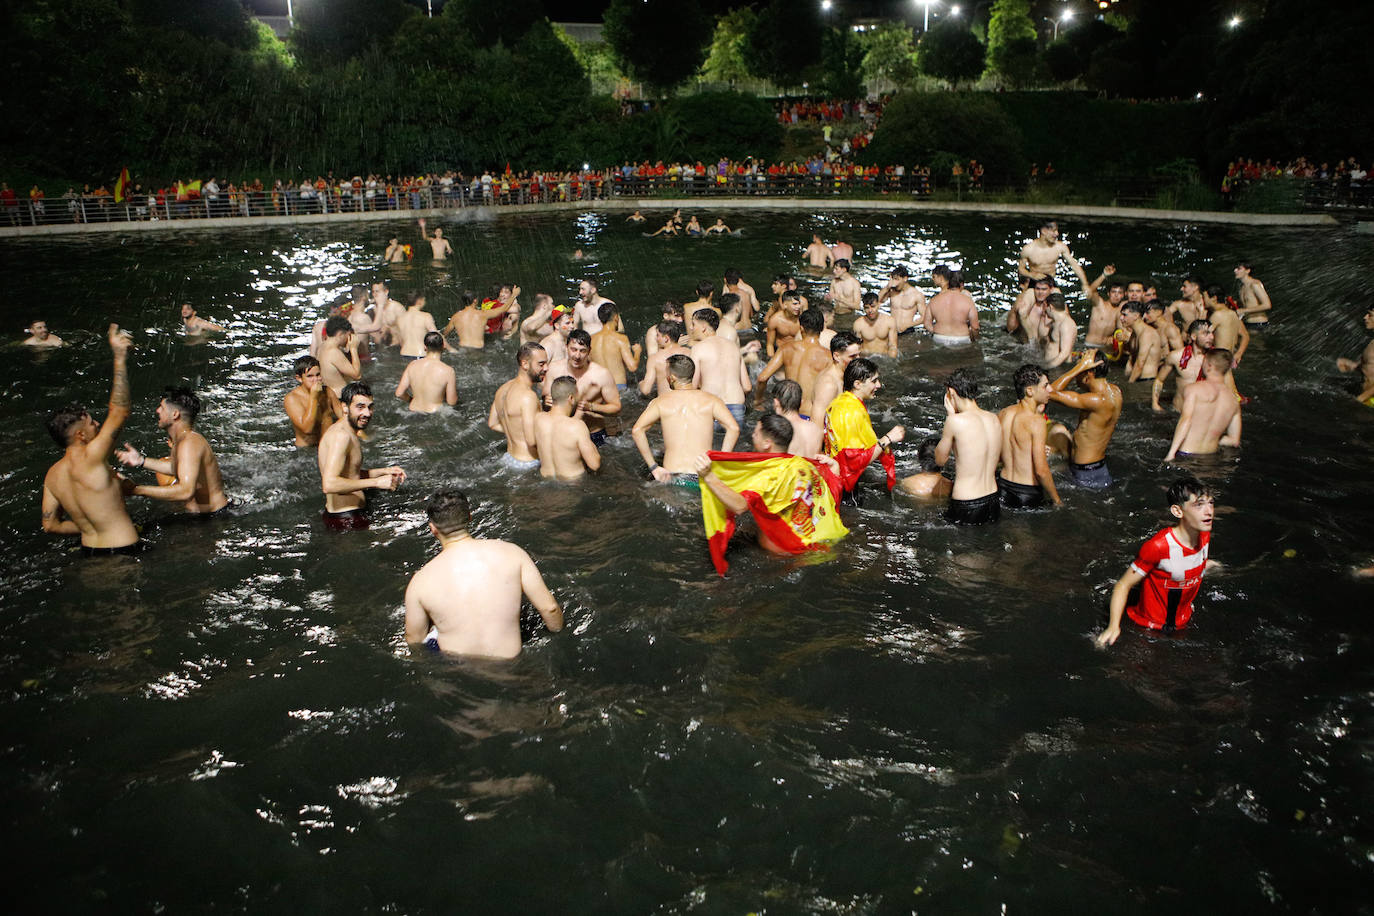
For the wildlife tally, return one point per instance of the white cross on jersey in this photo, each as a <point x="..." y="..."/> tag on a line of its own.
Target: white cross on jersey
<point x="1181" y="565"/>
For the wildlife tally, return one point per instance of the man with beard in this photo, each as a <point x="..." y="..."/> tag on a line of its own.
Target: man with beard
<point x="191" y="471"/>
<point x="516" y="405"/>
<point x="342" y="475"/>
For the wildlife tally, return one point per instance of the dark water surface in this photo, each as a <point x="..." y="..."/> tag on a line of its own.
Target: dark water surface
<point x="917" y="722"/>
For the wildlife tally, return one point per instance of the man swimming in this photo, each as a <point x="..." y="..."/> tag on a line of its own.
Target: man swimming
<point x="1061" y="333"/>
<point x="1099" y="406"/>
<point x="515" y="406"/>
<point x="952" y="316"/>
<point x="687" y="417"/>
<point x="438" y="245"/>
<point x="1025" y="479"/>
<point x="1365" y="364"/>
<point x="40" y="336"/>
<point x="587" y="309"/>
<point x="975" y="436"/>
<point x="565" y="447"/>
<point x="310" y="406"/>
<point x="1211" y="414"/>
<point x="343" y="479"/>
<point x="429" y="383"/>
<point x="192" y="467"/>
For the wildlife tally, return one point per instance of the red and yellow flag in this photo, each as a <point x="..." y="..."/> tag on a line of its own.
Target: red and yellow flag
<point x="791" y="498"/>
<point x="849" y="439"/>
<point x="121" y="185"/>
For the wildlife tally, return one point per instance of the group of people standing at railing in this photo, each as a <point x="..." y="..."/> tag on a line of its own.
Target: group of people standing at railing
<point x="1347" y="178"/>
<point x="820" y="111"/>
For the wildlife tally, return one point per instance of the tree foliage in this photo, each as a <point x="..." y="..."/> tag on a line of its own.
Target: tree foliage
<point x="335" y="32"/>
<point x="936" y="127"/>
<point x="785" y="41"/>
<point x="950" y="51"/>
<point x="1012" y="51"/>
<point x="661" y="42"/>
<point x="728" y="58"/>
<point x="889" y="54"/>
<point x="841" y="64"/>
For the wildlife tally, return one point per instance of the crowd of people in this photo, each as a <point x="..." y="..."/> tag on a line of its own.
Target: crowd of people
<point x="1344" y="183"/>
<point x="704" y="364"/>
<point x="830" y="111"/>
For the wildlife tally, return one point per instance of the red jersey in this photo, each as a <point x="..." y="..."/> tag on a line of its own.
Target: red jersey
<point x="1173" y="576"/>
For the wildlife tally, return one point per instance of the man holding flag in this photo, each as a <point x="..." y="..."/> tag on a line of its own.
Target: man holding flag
<point x="849" y="436"/>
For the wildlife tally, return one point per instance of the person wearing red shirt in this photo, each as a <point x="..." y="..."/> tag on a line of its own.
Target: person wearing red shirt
<point x="1158" y="589"/>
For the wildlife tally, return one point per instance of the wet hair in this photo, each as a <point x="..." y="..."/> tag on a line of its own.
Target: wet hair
<point x="357" y="292"/>
<point x="1197" y="324"/>
<point x="1215" y="292"/>
<point x="868" y="299"/>
<point x="733" y="276"/>
<point x="705" y="289"/>
<point x="673" y="330"/>
<point x="812" y="320"/>
<point x="860" y="369"/>
<point x="1049" y="284"/>
<point x="708" y="316"/>
<point x="778" y="429"/>
<point x="596" y="287"/>
<point x="448" y="510"/>
<point x="303" y="364"/>
<point x="782" y="278"/>
<point x="1116" y="284"/>
<point x="925" y="455"/>
<point x="728" y="302"/>
<point x="842" y="341"/>
<point x="61" y="421"/>
<point x="526" y="351"/>
<point x="681" y="366"/>
<point x="1193" y="279"/>
<point x="1247" y="264"/>
<point x="1026" y="376"/>
<point x="1049" y="224"/>
<point x="788" y="394"/>
<point x="1100" y="366"/>
<point x="184" y="400"/>
<point x="413" y="297"/>
<point x="1132" y="307"/>
<point x="605" y="312"/>
<point x="1186" y="488"/>
<point x="580" y="336"/>
<point x="1154" y="305"/>
<point x="383" y="283"/>
<point x="791" y="296"/>
<point x="1056" y="301"/>
<point x="1217" y="359"/>
<point x="336" y="325"/>
<point x="842" y="262"/>
<point x="672" y="307"/>
<point x="352" y="390"/>
<point x="496" y="289"/>
<point x="962" y="383"/>
<point x="434" y="342"/>
<point x="562" y="388"/>
<point x="900" y="271"/>
<point x="955" y="278"/>
<point x="467" y="297"/>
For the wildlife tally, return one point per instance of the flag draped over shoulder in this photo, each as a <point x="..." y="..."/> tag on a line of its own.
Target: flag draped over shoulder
<point x="849" y="439"/>
<point x="121" y="185"/>
<point x="791" y="498"/>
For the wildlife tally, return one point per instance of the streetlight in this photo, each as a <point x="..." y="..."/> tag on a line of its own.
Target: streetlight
<point x="925" y="25"/>
<point x="826" y="4"/>
<point x="1235" y="21"/>
<point x="1063" y="17"/>
<point x="954" y="10"/>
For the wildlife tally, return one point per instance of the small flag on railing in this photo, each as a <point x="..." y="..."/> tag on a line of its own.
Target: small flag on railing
<point x="121" y="184"/>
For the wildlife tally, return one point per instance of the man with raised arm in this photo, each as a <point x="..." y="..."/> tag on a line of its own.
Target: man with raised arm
<point x="516" y="405"/>
<point x="343" y="479"/>
<point x="598" y="396"/>
<point x="438" y="245"/>
<point x="470" y="593"/>
<point x="1041" y="254"/>
<point x="877" y="332"/>
<point x="81" y="495"/>
<point x="612" y="349"/>
<point x="191" y="468"/>
<point x="1025" y="479"/>
<point x="1105" y="315"/>
<point x="687" y="417"/>
<point x="1211" y="413"/>
<point x="802" y="359"/>
<point x="907" y="300"/>
<point x="1099" y="403"/>
<point x="1365" y="364"/>
<point x="974" y="435"/>
<point x="429" y="383"/>
<point x="470" y="321"/>
<point x="540" y="323"/>
<point x="310" y="406"/>
<point x="952" y="316"/>
<point x="566" y="450"/>
<point x="1026" y="319"/>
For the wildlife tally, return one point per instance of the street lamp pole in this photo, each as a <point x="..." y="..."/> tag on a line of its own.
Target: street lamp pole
<point x="925" y="22"/>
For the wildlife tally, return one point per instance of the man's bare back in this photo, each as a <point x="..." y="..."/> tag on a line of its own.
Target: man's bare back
<point x="431" y="384"/>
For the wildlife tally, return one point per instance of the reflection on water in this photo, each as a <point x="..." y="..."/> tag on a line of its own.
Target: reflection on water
<point x="916" y="720"/>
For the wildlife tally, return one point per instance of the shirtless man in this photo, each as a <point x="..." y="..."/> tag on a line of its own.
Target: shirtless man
<point x="1187" y="361"/>
<point x="841" y="250"/>
<point x="784" y="323"/>
<point x="951" y="317"/>
<point x="1228" y="330"/>
<point x="566" y="450"/>
<point x="438" y="245"/>
<point x="540" y="323"/>
<point x="1191" y="307"/>
<point x="556" y="343"/>
<point x="310" y="406"/>
<point x="1061" y="331"/>
<point x="907" y="300"/>
<point x="40" y="336"/>
<point x="818" y="253"/>
<point x="687" y="416"/>
<point x="193" y="324"/>
<point x="413" y="327"/>
<point x="1145" y="349"/>
<point x="387" y="310"/>
<point x="669" y="334"/>
<point x="612" y="349"/>
<point x="803" y="360"/>
<point x="470" y="321"/>
<point x="81" y="495"/>
<point x="975" y="436"/>
<point x="1211" y="413"/>
<point x="877" y="332"/>
<point x="845" y="290"/>
<point x="588" y="306"/>
<point x="598" y="396"/>
<point x="720" y="368"/>
<point x="366" y="326"/>
<point x="1041" y="254"/>
<point x="1027" y="318"/>
<point x="1171" y="338"/>
<point x="339" y="361"/>
<point x="844" y="349"/>
<point x="429" y="382"/>
<point x="749" y="300"/>
<point x="395" y="252"/>
<point x="1025" y="479"/>
<point x="516" y="405"/>
<point x="807" y="434"/>
<point x="1365" y="364"/>
<point x="470" y="593"/>
<point x="672" y="311"/>
<point x="1100" y="404"/>
<point x="192" y="467"/>
<point x="1105" y="315"/>
<point x="343" y="479"/>
<point x="929" y="482"/>
<point x="1254" y="298"/>
<point x="706" y="292"/>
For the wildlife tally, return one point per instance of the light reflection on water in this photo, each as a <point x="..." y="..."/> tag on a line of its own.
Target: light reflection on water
<point x="918" y="710"/>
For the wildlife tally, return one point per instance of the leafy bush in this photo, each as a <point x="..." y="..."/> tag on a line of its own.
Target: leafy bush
<point x="918" y="127"/>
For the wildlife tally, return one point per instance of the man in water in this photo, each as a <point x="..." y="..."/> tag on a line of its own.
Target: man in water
<point x="975" y="435"/>
<point x="366" y="326"/>
<point x="929" y="482"/>
<point x="387" y="310"/>
<point x="749" y="300"/>
<point x="845" y="290"/>
<point x="612" y="349"/>
<point x="1228" y="331"/>
<point x="191" y="467"/>
<point x="818" y="253"/>
<point x="588" y="306"/>
<point x="429" y="383"/>
<point x="1191" y="307"/>
<point x="598" y="396"/>
<point x="413" y="327"/>
<point x="668" y="334"/>
<point x="565" y="447"/>
<point x="1170" y="337"/>
<point x="1254" y="298"/>
<point x="339" y="360"/>
<point x="81" y="495"/>
<point x="784" y="324"/>
<point x="310" y="406"/>
<point x="1187" y="360"/>
<point x="40" y="336"/>
<point x="844" y="349"/>
<point x="1062" y="331"/>
<point x="192" y="324"/>
<point x="672" y="311"/>
<point x="1099" y="403"/>
<point x="438" y="245"/>
<point x="1145" y="349"/>
<point x="556" y="343"/>
<point x="849" y="436"/>
<point x="540" y="323"/>
<point x="1105" y="315"/>
<point x="802" y="359"/>
<point x="1027" y="318"/>
<point x="720" y="367"/>
<point x="395" y="252"/>
<point x="687" y="416"/>
<point x="841" y="250"/>
<point x="343" y="479"/>
<point x="516" y="405"/>
<point x="952" y="317"/>
<point x="470" y="321"/>
<point x="1211" y="413"/>
<point x="706" y="291"/>
<point x="1365" y="364"/>
<point x="907" y="300"/>
<point x="1025" y="479"/>
<point x="470" y="593"/>
<point x="877" y="332"/>
<point x="807" y="435"/>
<point x="1040" y="255"/>
<point x="1157" y="590"/>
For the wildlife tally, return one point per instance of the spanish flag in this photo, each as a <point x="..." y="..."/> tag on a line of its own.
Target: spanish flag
<point x="121" y="184"/>
<point x="791" y="498"/>
<point x="849" y="439"/>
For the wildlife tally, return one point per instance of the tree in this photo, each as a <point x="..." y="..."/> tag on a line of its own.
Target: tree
<point x="784" y="41"/>
<point x="727" y="61"/>
<point x="487" y="27"/>
<point x="841" y="58"/>
<point x="1012" y="51"/>
<point x="889" y="54"/>
<point x="661" y="42"/>
<point x="940" y="128"/>
<point x="334" y="32"/>
<point x="950" y="51"/>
